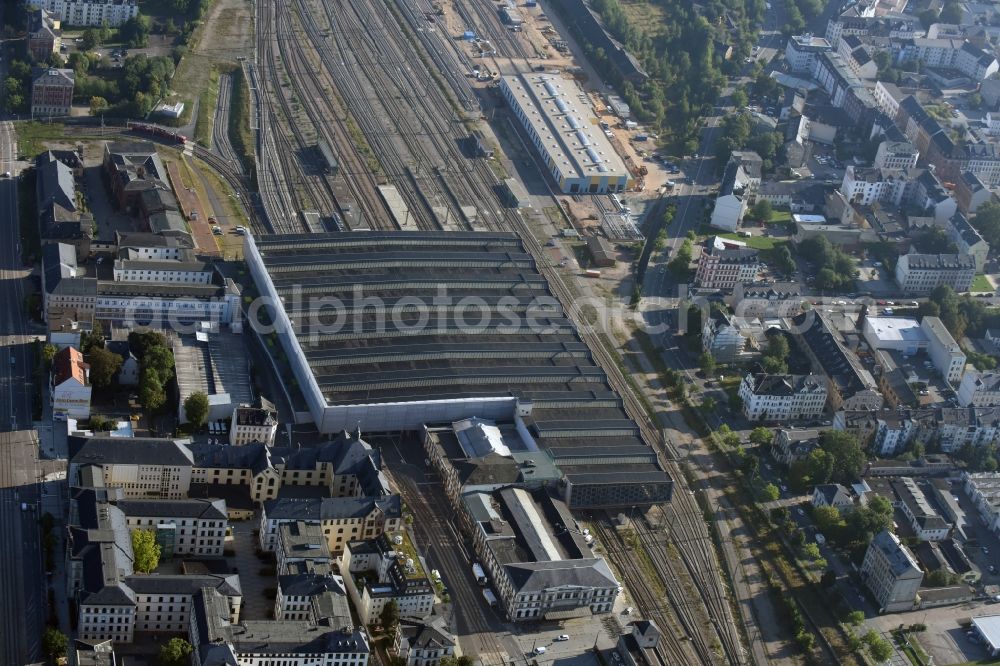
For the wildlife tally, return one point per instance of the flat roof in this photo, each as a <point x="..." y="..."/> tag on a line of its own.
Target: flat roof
<point x="896" y="329"/>
<point x="560" y="113"/>
<point x="419" y="316"/>
<point x="989" y="629"/>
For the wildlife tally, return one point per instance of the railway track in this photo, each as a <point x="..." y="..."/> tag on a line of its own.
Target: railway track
<point x="375" y="61"/>
<point x="674" y="647"/>
<point x="221" y="144"/>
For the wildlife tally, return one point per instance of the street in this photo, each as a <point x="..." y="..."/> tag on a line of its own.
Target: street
<point x="22" y="581"/>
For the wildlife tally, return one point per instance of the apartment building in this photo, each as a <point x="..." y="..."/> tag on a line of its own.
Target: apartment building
<point x="791" y="445"/>
<point x="833" y="495"/>
<point x="896" y="155"/>
<point x="739" y="186"/>
<point x="731" y="339"/>
<point x="313" y="597"/>
<point x="142" y="467"/>
<point x="967" y="238"/>
<point x="44" y="35"/>
<point x="801" y="52"/>
<point x="183" y="527"/>
<point x="51" y="91"/>
<point x="979" y="389"/>
<point x="80" y="13"/>
<point x="163" y="272"/>
<point x="538" y="567"/>
<point x="724" y="264"/>
<point x="343" y="467"/>
<point x="70" y="385"/>
<point x="343" y="519"/>
<point x="113" y="602"/>
<point x="253" y="424"/>
<point x="921" y="273"/>
<point x="424" y="642"/>
<point x="971" y="193"/>
<point x="925" y="521"/>
<point x="983" y="488"/>
<point x="383" y="570"/>
<point x="943" y="53"/>
<point x="849" y="384"/>
<point x="891" y="573"/>
<point x="302" y="546"/>
<point x="219" y="639"/>
<point x="782" y="397"/>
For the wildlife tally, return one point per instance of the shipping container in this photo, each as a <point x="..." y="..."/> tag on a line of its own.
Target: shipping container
<point x="477" y="571"/>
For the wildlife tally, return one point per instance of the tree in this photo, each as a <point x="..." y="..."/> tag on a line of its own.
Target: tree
<point x="98" y="105"/>
<point x="142" y="341"/>
<point x="775" y="356"/>
<point x="145" y="550"/>
<point x="951" y="13"/>
<point x="54" y="643"/>
<point x="783" y="260"/>
<point x="761" y="436"/>
<point x="739" y="98"/>
<point x="828" y="520"/>
<point x="707" y="363"/>
<point x="91" y="38"/>
<point x="99" y="422"/>
<point x="104" y="366"/>
<point x="708" y="405"/>
<point x="679" y="266"/>
<point x="160" y="359"/>
<point x="770" y="493"/>
<point x="151" y="392"/>
<point x="175" y="652"/>
<point x="928" y="17"/>
<point x="762" y="210"/>
<point x="940" y="578"/>
<point x="811" y="551"/>
<point x="848" y="458"/>
<point x="49" y="352"/>
<point x="880" y="648"/>
<point x="820" y="465"/>
<point x="196" y="409"/>
<point x="90" y="340"/>
<point x="390" y="616"/>
<point x="856" y="617"/>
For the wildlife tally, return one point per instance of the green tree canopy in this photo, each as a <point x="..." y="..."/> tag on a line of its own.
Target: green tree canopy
<point x="848" y="458"/>
<point x="54" y="643"/>
<point x="145" y="550"/>
<point x="175" y="652"/>
<point x="104" y="367"/>
<point x="196" y="408"/>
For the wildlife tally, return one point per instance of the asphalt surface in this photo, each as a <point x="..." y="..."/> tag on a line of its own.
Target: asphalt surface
<point x="22" y="582"/>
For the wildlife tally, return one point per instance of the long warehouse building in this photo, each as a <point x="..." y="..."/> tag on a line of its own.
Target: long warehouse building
<point x="392" y="331"/>
<point x="559" y="120"/>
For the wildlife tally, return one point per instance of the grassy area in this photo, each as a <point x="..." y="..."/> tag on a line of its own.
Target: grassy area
<point x="647" y="17"/>
<point x="207" y="103"/>
<point x="240" y="134"/>
<point x="908" y="645"/>
<point x="756" y="242"/>
<point x="981" y="283"/>
<point x="780" y="217"/>
<point x="32" y="136"/>
<point x="411" y="553"/>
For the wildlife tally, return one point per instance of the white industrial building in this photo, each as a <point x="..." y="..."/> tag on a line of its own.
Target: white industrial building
<point x="561" y="124"/>
<point x="801" y="52"/>
<point x="908" y="337"/>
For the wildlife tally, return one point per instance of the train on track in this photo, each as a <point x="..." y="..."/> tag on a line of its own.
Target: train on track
<point x="160" y="132"/>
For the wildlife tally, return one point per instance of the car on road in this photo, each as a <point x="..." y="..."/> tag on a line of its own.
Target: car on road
<point x="217" y="231"/>
<point x="562" y="637"/>
<point x="539" y="650"/>
<point x="6" y="174"/>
